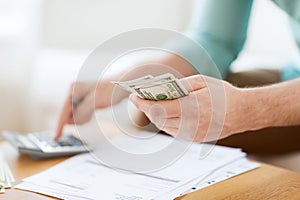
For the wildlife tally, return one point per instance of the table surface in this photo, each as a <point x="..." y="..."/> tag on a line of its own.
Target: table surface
<point x="266" y="182"/>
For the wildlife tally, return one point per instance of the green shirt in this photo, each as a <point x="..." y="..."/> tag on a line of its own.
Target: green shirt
<point x="220" y="26"/>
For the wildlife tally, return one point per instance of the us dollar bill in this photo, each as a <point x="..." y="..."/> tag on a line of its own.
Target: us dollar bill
<point x="159" y="88"/>
<point x="129" y="85"/>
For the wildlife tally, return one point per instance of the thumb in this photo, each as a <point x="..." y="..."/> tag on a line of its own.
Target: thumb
<point x="193" y="83"/>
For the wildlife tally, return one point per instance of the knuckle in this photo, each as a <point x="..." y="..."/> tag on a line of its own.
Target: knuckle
<point x="197" y="81"/>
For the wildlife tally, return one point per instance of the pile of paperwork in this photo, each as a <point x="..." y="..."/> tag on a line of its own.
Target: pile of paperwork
<point x="84" y="177"/>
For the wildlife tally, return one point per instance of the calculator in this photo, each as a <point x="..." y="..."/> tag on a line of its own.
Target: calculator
<point x="42" y="145"/>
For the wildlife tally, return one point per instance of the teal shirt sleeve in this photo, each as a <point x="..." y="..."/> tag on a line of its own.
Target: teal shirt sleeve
<point x="291" y="7"/>
<point x="291" y="70"/>
<point x="220" y="27"/>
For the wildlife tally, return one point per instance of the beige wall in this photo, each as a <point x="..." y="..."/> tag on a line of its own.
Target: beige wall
<point x="31" y="87"/>
<point x="87" y="23"/>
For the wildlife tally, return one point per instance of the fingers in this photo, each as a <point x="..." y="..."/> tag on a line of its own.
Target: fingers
<point x="171" y="131"/>
<point x="65" y="117"/>
<point x="163" y="123"/>
<point x="77" y="93"/>
<point x="155" y="109"/>
<point x="170" y="108"/>
<point x="193" y="83"/>
<point x="188" y="118"/>
<point x="137" y="117"/>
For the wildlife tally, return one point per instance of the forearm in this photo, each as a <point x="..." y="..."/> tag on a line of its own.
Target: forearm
<point x="275" y="105"/>
<point x="155" y="65"/>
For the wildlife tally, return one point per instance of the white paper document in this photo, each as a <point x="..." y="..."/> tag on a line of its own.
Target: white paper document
<point x="84" y="177"/>
<point x="6" y="176"/>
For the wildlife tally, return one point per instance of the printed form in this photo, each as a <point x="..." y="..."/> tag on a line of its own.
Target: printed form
<point x="84" y="177"/>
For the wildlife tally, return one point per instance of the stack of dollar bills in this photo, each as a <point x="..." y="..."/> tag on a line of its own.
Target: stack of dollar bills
<point x="162" y="87"/>
<point x="6" y="177"/>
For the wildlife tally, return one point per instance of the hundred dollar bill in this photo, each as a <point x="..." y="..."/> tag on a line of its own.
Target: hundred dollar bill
<point x="163" y="87"/>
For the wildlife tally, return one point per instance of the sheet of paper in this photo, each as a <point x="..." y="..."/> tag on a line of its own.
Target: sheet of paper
<point x="195" y="160"/>
<point x="83" y="177"/>
<point x="235" y="168"/>
<point x="6" y="176"/>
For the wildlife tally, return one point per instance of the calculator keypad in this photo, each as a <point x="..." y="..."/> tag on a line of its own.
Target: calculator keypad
<point x="66" y="142"/>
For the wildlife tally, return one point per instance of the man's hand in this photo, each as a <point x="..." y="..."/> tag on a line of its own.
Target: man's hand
<point x="211" y="111"/>
<point x="83" y="99"/>
<point x="106" y="94"/>
<point x="80" y="99"/>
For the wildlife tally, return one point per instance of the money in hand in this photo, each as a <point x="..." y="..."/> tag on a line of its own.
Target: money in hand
<point x="163" y="87"/>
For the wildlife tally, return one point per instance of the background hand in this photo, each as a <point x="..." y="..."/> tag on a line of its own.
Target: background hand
<point x="79" y="96"/>
<point x="83" y="98"/>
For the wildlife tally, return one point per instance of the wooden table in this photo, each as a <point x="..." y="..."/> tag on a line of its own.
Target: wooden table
<point x="267" y="182"/>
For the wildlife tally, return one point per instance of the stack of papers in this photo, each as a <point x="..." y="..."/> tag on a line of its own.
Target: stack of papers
<point x="84" y="177"/>
<point x="6" y="177"/>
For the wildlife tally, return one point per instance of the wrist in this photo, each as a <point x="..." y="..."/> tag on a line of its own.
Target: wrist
<point x="245" y="110"/>
<point x="257" y="108"/>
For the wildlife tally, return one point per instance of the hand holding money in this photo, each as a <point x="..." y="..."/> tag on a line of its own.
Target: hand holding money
<point x="211" y="111"/>
<point x="163" y="87"/>
<point x="88" y="95"/>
